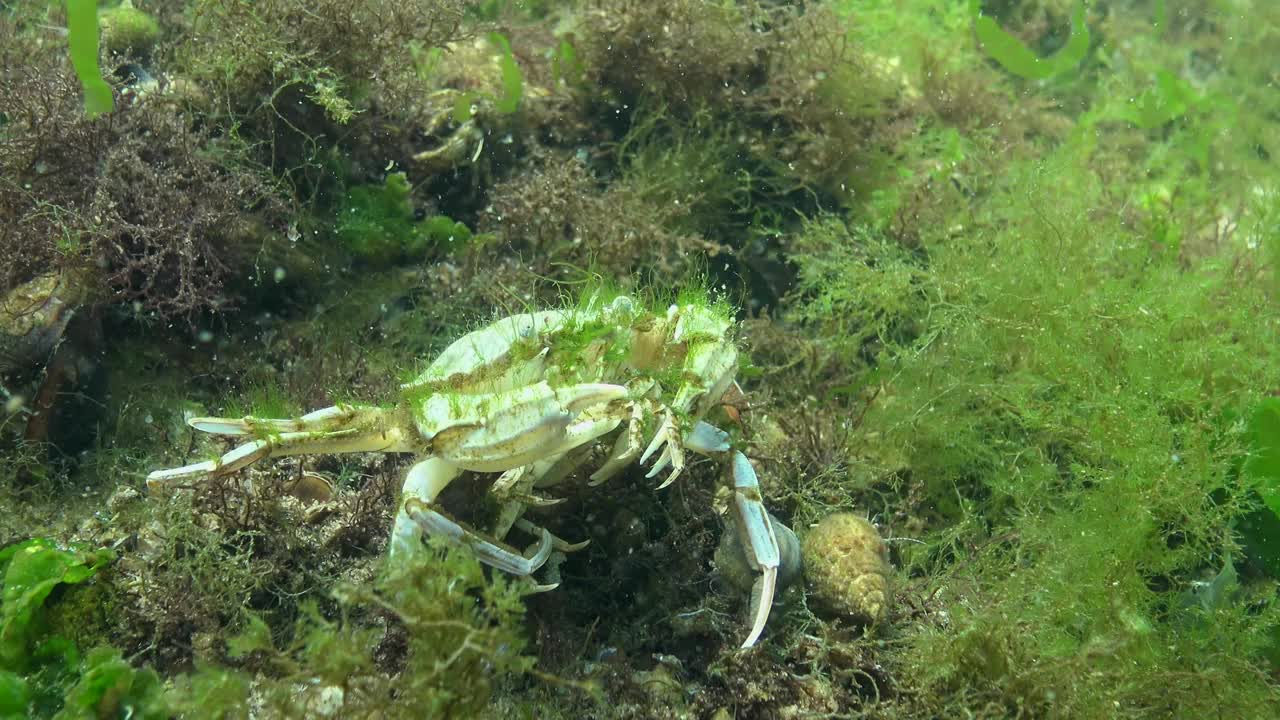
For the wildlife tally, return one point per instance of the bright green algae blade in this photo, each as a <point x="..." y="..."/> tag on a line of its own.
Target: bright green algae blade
<point x="82" y="42"/>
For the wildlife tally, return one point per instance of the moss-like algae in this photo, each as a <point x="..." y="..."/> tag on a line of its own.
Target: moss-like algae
<point x="376" y="224"/>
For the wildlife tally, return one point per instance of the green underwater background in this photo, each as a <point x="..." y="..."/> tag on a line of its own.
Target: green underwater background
<point x="1006" y="283"/>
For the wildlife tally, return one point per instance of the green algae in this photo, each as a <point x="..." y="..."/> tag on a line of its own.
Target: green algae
<point x="376" y="224"/>
<point x="82" y="42"/>
<point x="459" y="628"/>
<point x="110" y="687"/>
<point x="1018" y="59"/>
<point x="33" y="569"/>
<point x="1058" y="409"/>
<point x="128" y="29"/>
<point x="41" y="669"/>
<point x="1262" y="466"/>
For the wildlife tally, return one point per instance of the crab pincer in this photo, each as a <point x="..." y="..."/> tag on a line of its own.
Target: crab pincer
<point x="758" y="540"/>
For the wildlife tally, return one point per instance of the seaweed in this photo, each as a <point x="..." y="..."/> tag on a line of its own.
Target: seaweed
<point x="82" y="42"/>
<point x="376" y="224"/>
<point x="1007" y="278"/>
<point x="1017" y="59"/>
<point x="1262" y="466"/>
<point x="42" y="672"/>
<point x="33" y="569"/>
<point x="512" y="85"/>
<point x="110" y="687"/>
<point x="139" y="207"/>
<point x="450" y="633"/>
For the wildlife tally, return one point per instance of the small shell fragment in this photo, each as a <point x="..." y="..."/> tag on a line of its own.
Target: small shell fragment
<point x="847" y="565"/>
<point x="310" y="488"/>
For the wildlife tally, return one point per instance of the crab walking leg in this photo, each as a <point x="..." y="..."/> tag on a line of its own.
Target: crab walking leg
<point x="706" y="358"/>
<point x="557" y="542"/>
<point x="519" y="494"/>
<point x="625" y="448"/>
<point x="519" y="426"/>
<point x="758" y="540"/>
<point x="428" y="478"/>
<point x="334" y="417"/>
<point x="389" y="439"/>
<point x="418" y="514"/>
<point x="668" y="438"/>
<point x="557" y="461"/>
<point x="515" y="486"/>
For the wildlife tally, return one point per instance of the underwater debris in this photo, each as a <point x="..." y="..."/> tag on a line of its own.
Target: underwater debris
<point x="847" y="566"/>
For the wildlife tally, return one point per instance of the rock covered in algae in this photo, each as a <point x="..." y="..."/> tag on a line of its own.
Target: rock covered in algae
<point x="847" y="566"/>
<point x="125" y="28"/>
<point x="33" y="317"/>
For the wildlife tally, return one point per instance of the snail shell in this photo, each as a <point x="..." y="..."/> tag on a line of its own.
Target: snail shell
<point x="847" y="566"/>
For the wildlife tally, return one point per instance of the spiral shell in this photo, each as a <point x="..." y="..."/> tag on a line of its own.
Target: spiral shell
<point x="847" y="565"/>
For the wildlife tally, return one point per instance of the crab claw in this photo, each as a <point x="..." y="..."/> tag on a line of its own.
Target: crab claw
<point x="758" y="540"/>
<point x="528" y="423"/>
<point x="488" y="551"/>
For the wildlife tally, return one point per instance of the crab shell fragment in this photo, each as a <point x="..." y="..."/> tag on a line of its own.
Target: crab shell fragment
<point x="528" y="396"/>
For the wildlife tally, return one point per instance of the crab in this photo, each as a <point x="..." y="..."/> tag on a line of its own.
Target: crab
<point x="530" y="396"/>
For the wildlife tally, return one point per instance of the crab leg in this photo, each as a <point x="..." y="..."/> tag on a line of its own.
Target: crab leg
<point x="752" y="519"/>
<point x="536" y="426"/>
<point x="625" y="449"/>
<point x="528" y="424"/>
<point x="667" y="438"/>
<point x="705" y="359"/>
<point x="758" y="540"/>
<point x="516" y="485"/>
<point x="351" y="440"/>
<point x="418" y="513"/>
<point x="335" y="416"/>
<point x="557" y="542"/>
<point x="428" y="478"/>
